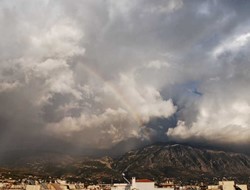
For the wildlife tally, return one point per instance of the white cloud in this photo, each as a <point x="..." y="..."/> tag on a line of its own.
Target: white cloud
<point x="146" y="101"/>
<point x="58" y="41"/>
<point x="107" y="128"/>
<point x="223" y="116"/>
<point x="165" y="6"/>
<point x="8" y="86"/>
<point x="157" y="64"/>
<point x="233" y="44"/>
<point x="133" y="106"/>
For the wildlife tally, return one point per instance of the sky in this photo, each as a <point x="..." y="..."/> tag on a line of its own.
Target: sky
<point x="108" y="75"/>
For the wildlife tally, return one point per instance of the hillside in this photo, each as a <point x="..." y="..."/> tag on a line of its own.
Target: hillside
<point x="181" y="160"/>
<point x="155" y="161"/>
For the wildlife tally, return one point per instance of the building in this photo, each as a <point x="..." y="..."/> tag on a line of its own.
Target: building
<point x="139" y="184"/>
<point x="227" y="185"/>
<point x="121" y="186"/>
<point x="33" y="187"/>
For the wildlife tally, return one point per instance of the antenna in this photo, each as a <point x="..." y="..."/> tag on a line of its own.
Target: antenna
<point x="123" y="176"/>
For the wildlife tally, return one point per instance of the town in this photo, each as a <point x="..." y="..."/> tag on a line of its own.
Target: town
<point x="133" y="184"/>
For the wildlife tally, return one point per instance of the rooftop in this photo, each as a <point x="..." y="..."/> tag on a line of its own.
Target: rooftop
<point x="143" y="180"/>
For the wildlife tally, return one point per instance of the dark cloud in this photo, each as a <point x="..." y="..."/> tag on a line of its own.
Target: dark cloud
<point x="96" y="75"/>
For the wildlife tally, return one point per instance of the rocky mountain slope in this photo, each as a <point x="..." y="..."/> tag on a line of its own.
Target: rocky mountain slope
<point x="55" y="165"/>
<point x="181" y="160"/>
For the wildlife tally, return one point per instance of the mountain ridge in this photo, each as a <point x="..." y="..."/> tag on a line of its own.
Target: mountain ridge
<point x="155" y="161"/>
<point x="183" y="159"/>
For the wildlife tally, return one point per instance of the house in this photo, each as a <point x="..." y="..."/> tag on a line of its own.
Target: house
<point x="138" y="184"/>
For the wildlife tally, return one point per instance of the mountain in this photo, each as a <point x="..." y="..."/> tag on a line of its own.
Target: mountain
<point x="182" y="160"/>
<point x="54" y="164"/>
<point x="155" y="161"/>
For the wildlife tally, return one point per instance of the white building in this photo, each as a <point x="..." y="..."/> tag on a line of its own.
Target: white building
<point x="33" y="187"/>
<point x="140" y="184"/>
<point x="227" y="185"/>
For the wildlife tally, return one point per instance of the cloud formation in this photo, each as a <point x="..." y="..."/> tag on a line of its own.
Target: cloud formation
<point x="96" y="74"/>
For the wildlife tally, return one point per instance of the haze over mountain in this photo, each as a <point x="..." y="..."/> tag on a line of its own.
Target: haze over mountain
<point x="108" y="76"/>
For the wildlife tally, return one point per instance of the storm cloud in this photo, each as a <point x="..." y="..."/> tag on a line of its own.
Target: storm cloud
<point x="97" y="74"/>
